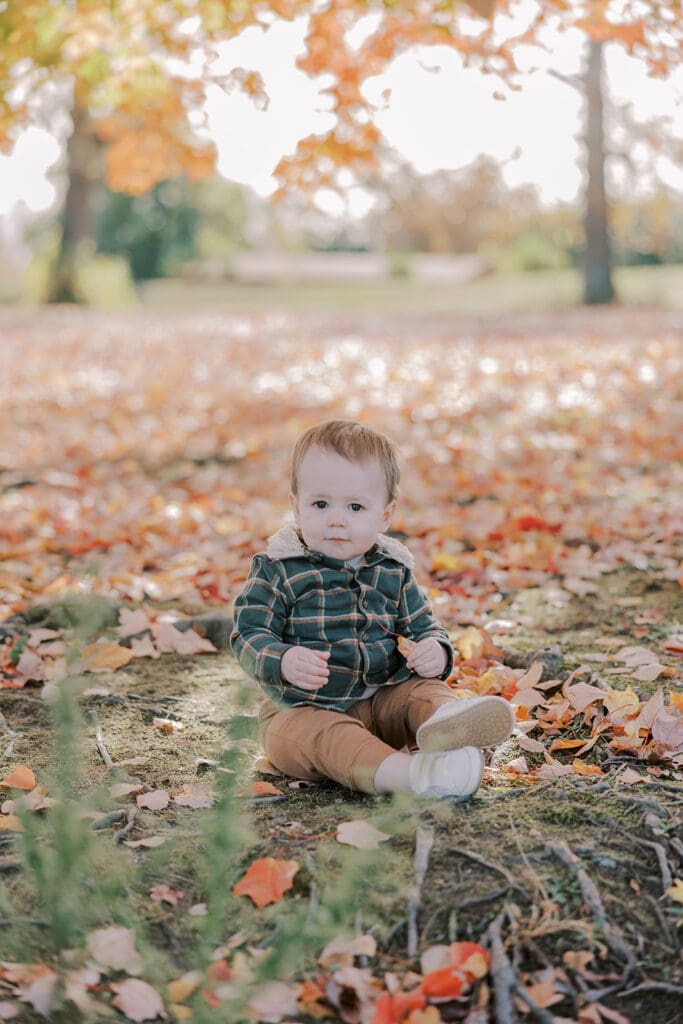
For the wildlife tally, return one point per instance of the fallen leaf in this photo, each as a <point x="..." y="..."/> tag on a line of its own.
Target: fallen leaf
<point x="532" y="745"/>
<point x="360" y="833"/>
<point x="157" y="800"/>
<point x="150" y="843"/>
<point x="622" y="702"/>
<point x="131" y="622"/>
<point x="115" y="947"/>
<point x="676" y="891"/>
<point x="167" y="724"/>
<point x="266" y="880"/>
<point x="120" y="789"/>
<point x="273" y="1001"/>
<point x="471" y="958"/>
<point x="10" y="823"/>
<point x="343" y="951"/>
<point x="582" y="695"/>
<point x="532" y="676"/>
<point x="631" y="778"/>
<point x="20" y="777"/>
<point x="39" y="992"/>
<point x="443" y="985"/>
<point x="405" y="645"/>
<point x="183" y="987"/>
<point x="138" y="1000"/>
<point x="163" y="893"/>
<point x="260" y="788"/>
<point x="105" y="657"/>
<point x="143" y="647"/>
<point x="194" y="794"/>
<point x="168" y="638"/>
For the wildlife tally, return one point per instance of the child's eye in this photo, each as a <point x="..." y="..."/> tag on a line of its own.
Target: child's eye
<point x="320" y="504"/>
<point x="356" y="507"/>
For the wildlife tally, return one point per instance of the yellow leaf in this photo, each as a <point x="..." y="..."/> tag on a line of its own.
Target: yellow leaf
<point x="622" y="702"/>
<point x="676" y="891"/>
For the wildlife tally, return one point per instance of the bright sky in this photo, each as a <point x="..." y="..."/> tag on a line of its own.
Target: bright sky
<point x="439" y="115"/>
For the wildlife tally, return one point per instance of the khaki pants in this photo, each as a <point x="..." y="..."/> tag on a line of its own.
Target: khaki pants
<point x="310" y="742"/>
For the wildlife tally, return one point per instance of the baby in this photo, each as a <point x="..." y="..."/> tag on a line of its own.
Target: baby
<point x="317" y="624"/>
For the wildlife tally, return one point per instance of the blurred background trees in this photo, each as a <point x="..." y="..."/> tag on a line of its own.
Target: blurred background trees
<point x="135" y="76"/>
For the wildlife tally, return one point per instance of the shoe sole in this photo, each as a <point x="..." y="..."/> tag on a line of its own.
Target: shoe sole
<point x="481" y="725"/>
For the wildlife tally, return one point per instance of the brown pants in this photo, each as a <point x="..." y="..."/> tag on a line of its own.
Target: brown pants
<point x="310" y="742"/>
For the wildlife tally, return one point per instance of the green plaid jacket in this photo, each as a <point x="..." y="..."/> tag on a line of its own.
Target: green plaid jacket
<point x="297" y="596"/>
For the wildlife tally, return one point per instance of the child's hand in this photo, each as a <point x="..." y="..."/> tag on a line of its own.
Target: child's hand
<point x="305" y="668"/>
<point x="427" y="658"/>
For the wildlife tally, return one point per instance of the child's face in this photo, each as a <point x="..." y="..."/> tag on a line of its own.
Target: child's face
<point x="341" y="506"/>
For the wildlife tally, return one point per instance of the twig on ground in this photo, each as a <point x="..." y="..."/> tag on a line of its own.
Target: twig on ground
<point x="503" y="976"/>
<point x="7" y="922"/>
<point x="99" y="742"/>
<point x="107" y="820"/>
<point x="424" y="840"/>
<point x="592" y="899"/>
<point x="488" y="864"/>
<point x="11" y="733"/>
<point x="10" y="865"/>
<point x="121" y="833"/>
<point x="654" y="986"/>
<point x="649" y="803"/>
<point x="677" y="845"/>
<point x="665" y="870"/>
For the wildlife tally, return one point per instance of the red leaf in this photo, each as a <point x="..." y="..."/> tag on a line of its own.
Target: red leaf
<point x="445" y="984"/>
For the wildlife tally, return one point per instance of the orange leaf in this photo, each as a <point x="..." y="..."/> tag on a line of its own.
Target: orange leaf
<point x="446" y="983"/>
<point x="470" y="957"/>
<point x="267" y="880"/>
<point x="105" y="657"/>
<point x="581" y="768"/>
<point x="405" y="645"/>
<point x="566" y="744"/>
<point x="392" y="1009"/>
<point x="20" y="778"/>
<point x="264" y="789"/>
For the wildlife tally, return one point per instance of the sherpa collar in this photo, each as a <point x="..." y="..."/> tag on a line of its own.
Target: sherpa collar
<point x="286" y="543"/>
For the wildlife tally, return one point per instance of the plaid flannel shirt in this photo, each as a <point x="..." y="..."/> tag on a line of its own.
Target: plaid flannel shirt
<point x="297" y="596"/>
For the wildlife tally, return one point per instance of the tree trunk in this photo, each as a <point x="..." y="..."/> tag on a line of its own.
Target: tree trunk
<point x="76" y="219"/>
<point x="598" y="287"/>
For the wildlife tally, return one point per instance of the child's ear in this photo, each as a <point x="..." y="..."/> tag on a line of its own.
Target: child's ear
<point x="389" y="513"/>
<point x="294" y="503"/>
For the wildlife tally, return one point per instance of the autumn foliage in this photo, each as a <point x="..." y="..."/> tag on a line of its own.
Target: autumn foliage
<point x="127" y="65"/>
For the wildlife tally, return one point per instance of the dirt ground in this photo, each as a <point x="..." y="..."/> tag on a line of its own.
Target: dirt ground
<point x="496" y="854"/>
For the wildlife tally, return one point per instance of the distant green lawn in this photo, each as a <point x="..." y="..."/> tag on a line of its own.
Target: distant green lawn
<point x="495" y="294"/>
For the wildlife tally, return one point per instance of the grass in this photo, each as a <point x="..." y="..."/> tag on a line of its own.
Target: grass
<point x="493" y="295"/>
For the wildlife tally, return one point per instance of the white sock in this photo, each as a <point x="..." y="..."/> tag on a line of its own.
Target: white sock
<point x="393" y="774"/>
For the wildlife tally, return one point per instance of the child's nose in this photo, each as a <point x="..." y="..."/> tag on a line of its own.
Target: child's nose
<point x="337" y="516"/>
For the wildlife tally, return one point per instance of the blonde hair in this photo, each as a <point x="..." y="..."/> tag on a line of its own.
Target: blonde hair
<point x="353" y="441"/>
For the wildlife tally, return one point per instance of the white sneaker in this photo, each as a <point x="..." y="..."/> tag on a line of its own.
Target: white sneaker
<point x="447" y="773"/>
<point x="467" y="722"/>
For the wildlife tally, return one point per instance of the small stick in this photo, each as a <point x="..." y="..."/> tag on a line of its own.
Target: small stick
<point x="10" y="732"/>
<point x="7" y="922"/>
<point x="593" y="900"/>
<point x="503" y="976"/>
<point x="10" y="865"/>
<point x="492" y="867"/>
<point x="654" y="986"/>
<point x="665" y="870"/>
<point x="99" y="742"/>
<point x="424" y="840"/>
<point x="121" y="833"/>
